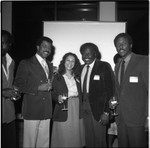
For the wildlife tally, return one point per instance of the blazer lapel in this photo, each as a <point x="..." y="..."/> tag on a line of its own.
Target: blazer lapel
<point x="117" y="74"/>
<point x="39" y="66"/>
<point x="50" y="66"/>
<point x="94" y="71"/>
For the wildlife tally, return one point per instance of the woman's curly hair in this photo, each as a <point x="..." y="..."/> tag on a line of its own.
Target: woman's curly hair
<point x="76" y="69"/>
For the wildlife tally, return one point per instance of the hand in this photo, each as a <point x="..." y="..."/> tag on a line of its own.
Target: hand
<point x="60" y="99"/>
<point x="17" y="93"/>
<point x="112" y="103"/>
<point x="45" y="87"/>
<point x="104" y="119"/>
<point x="8" y="93"/>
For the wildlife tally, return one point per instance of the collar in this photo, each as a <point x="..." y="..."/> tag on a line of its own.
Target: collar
<point x="40" y="59"/>
<point x="8" y="59"/>
<point x="92" y="64"/>
<point x="127" y="59"/>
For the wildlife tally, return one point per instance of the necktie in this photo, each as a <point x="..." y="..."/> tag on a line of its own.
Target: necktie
<point x="85" y="80"/>
<point x="45" y="67"/>
<point x="122" y="71"/>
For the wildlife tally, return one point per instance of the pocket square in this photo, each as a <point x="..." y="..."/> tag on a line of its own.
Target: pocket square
<point x="97" y="77"/>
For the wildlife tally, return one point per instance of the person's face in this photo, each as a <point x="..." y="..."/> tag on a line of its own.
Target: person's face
<point x="44" y="49"/>
<point x="69" y="62"/>
<point x="88" y="56"/>
<point x="123" y="47"/>
<point x="5" y="45"/>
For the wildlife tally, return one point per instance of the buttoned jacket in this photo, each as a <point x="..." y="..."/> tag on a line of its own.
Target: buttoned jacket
<point x="132" y="95"/>
<point x="101" y="88"/>
<point x="37" y="105"/>
<point x="59" y="87"/>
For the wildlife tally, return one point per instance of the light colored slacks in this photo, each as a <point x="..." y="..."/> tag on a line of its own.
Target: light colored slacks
<point x="36" y="133"/>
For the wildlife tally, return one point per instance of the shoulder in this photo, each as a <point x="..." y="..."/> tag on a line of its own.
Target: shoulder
<point x="26" y="62"/>
<point x="103" y="64"/>
<point x="58" y="78"/>
<point x="141" y="58"/>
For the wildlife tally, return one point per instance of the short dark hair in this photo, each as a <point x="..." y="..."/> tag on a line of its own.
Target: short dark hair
<point x="124" y="35"/>
<point x="89" y="45"/>
<point x="7" y="35"/>
<point x="44" y="38"/>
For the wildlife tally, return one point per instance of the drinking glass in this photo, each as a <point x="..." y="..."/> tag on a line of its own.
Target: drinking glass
<point x="114" y="104"/>
<point x="65" y="101"/>
<point x="17" y="94"/>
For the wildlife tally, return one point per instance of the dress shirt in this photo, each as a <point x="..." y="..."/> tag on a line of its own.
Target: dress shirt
<point x="127" y="59"/>
<point x="43" y="64"/>
<point x="71" y="85"/>
<point x="8" y="61"/>
<point x="88" y="76"/>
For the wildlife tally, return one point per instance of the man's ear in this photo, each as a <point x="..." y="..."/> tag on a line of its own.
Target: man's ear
<point x="37" y="47"/>
<point x="131" y="45"/>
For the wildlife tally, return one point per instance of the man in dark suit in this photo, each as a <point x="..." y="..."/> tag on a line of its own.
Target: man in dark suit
<point x="8" y="109"/>
<point x="34" y="81"/>
<point x="97" y="90"/>
<point x="132" y="93"/>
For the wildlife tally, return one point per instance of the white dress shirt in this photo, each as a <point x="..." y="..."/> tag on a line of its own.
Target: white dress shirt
<point x="43" y="64"/>
<point x="88" y="76"/>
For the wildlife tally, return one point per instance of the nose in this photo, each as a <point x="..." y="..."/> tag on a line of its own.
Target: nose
<point x="87" y="55"/>
<point x="120" y="46"/>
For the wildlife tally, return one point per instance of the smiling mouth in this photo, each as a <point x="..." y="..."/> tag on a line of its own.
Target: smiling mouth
<point x="121" y="51"/>
<point x="46" y="52"/>
<point x="86" y="59"/>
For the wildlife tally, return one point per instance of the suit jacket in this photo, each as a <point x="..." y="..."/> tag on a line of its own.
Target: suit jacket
<point x="133" y="94"/>
<point x="59" y="87"/>
<point x="100" y="90"/>
<point x="8" y="109"/>
<point x="37" y="105"/>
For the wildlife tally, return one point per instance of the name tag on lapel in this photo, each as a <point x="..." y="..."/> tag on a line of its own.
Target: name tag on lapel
<point x="97" y="77"/>
<point x="133" y="79"/>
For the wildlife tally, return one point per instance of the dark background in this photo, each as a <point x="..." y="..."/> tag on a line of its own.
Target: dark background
<point x="28" y="17"/>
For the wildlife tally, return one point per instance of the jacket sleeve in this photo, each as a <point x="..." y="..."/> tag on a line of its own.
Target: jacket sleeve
<point x="109" y="85"/>
<point x="145" y="80"/>
<point x="54" y="90"/>
<point x="22" y="79"/>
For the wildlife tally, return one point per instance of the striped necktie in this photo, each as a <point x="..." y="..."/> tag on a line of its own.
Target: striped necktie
<point x="45" y="67"/>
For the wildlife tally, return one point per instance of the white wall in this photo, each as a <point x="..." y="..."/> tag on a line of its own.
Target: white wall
<point x="69" y="36"/>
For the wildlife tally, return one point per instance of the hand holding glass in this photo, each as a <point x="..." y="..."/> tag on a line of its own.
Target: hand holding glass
<point x="17" y="94"/>
<point x="65" y="101"/>
<point x="114" y="103"/>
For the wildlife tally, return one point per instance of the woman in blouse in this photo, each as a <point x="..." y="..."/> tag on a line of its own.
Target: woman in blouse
<point x="67" y="130"/>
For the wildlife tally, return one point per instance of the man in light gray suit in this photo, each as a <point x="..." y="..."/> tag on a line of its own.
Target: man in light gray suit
<point x="132" y="94"/>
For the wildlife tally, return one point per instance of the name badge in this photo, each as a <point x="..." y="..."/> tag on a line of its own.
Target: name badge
<point x="97" y="77"/>
<point x="133" y="79"/>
